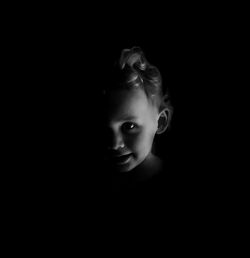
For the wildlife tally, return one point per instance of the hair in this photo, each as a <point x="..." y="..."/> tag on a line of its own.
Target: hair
<point x="133" y="71"/>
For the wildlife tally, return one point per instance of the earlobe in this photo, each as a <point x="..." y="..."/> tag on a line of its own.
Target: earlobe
<point x="162" y="121"/>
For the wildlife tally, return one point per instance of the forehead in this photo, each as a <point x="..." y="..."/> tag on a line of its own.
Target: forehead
<point x="124" y="104"/>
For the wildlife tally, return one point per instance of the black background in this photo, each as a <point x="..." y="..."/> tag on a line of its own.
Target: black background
<point x="68" y="68"/>
<point x="62" y="61"/>
<point x="64" y="65"/>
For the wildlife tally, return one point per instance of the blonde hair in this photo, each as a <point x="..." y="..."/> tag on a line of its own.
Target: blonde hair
<point x="134" y="71"/>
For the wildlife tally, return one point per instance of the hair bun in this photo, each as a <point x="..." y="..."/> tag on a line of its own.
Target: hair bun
<point x="134" y="58"/>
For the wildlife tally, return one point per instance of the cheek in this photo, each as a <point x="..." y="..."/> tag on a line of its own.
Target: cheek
<point x="141" y="142"/>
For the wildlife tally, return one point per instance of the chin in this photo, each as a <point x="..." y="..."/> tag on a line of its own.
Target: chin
<point x="123" y="169"/>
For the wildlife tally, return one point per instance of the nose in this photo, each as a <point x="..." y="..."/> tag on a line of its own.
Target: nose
<point x="116" y="141"/>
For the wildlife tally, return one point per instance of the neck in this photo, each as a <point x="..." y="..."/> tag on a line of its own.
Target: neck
<point x="150" y="167"/>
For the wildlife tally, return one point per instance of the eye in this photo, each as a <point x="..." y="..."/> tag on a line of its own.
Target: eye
<point x="128" y="127"/>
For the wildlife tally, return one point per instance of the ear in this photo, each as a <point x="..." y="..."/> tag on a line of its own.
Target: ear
<point x="162" y="121"/>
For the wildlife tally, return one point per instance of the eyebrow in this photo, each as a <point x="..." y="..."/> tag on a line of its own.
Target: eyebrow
<point x="127" y="117"/>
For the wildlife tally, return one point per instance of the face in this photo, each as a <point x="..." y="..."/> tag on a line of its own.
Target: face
<point x="131" y="123"/>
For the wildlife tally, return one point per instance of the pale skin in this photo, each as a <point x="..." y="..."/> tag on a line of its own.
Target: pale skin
<point x="132" y="121"/>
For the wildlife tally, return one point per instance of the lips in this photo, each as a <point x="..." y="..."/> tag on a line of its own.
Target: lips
<point x="122" y="159"/>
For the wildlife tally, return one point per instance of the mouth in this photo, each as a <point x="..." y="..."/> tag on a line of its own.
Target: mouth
<point x="122" y="159"/>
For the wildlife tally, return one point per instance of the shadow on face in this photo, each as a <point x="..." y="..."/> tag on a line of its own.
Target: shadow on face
<point x="130" y="127"/>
